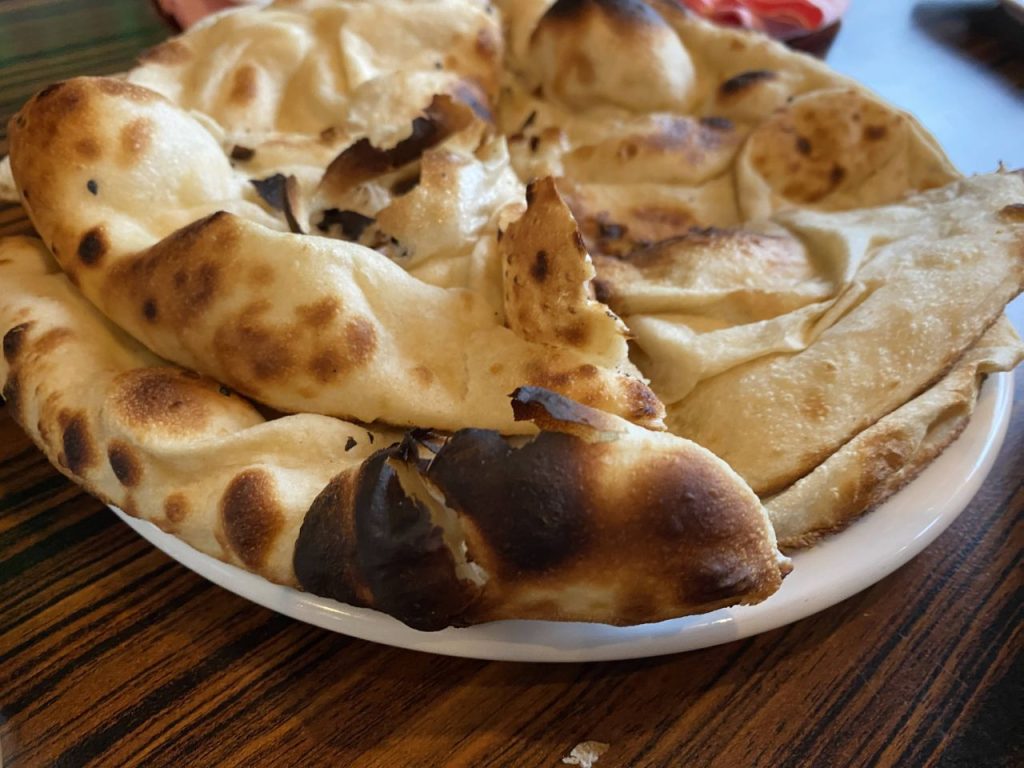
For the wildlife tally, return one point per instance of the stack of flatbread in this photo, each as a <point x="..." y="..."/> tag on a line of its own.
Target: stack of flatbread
<point x="467" y="311"/>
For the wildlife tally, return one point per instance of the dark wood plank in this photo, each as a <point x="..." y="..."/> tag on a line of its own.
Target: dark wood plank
<point x="112" y="654"/>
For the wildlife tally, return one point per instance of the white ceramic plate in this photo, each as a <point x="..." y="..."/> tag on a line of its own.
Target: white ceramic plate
<point x="832" y="571"/>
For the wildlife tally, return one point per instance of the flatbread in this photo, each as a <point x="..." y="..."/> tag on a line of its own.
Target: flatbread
<point x="305" y="78"/>
<point x="174" y="248"/>
<point x="474" y="252"/>
<point x="940" y="270"/>
<point x="433" y="530"/>
<point x="892" y="451"/>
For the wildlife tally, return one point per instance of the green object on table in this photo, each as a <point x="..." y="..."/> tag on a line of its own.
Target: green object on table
<point x="79" y="38"/>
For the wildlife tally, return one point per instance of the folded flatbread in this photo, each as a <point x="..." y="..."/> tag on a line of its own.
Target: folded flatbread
<point x="593" y="519"/>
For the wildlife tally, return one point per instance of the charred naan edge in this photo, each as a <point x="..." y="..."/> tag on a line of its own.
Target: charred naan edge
<point x="889" y="454"/>
<point x="436" y="211"/>
<point x="363" y="161"/>
<point x="945" y="264"/>
<point x="303" y="324"/>
<point x="592" y="520"/>
<point x="161" y="443"/>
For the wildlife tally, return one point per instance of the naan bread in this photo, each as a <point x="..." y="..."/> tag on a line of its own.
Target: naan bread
<point x="145" y="214"/>
<point x="594" y="519"/>
<point x="938" y="271"/>
<point x="402" y="211"/>
<point x="725" y="127"/>
<point x="305" y="78"/>
<point x="890" y="453"/>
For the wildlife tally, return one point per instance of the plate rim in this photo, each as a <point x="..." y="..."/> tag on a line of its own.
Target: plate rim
<point x="548" y="641"/>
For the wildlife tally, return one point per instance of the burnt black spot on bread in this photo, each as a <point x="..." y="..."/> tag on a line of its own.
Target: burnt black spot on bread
<point x="528" y="503"/>
<point x="92" y="186"/>
<point x="125" y="464"/>
<point x="242" y="154"/>
<point x="803" y="145"/>
<point x="271" y="190"/>
<point x="14" y="341"/>
<point x="79" y="450"/>
<point x="251" y="516"/>
<point x="362" y="161"/>
<point x="325" y="549"/>
<point x="539" y="268"/>
<point x="351" y="223"/>
<point x="554" y="412"/>
<point x="92" y="246"/>
<point x="744" y="81"/>
<point x="149" y="309"/>
<point x="12" y="395"/>
<point x="401" y="554"/>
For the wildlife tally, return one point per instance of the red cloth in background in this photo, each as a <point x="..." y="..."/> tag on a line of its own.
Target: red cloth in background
<point x="780" y="18"/>
<point x="188" y="12"/>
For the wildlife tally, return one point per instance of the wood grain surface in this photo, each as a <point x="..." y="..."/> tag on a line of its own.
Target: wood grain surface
<point x="112" y="654"/>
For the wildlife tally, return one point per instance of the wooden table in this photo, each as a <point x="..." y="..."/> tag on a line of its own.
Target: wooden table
<point x="112" y="654"/>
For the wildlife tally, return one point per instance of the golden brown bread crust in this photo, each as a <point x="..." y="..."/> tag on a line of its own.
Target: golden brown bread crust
<point x="586" y="524"/>
<point x="594" y="520"/>
<point x="301" y="324"/>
